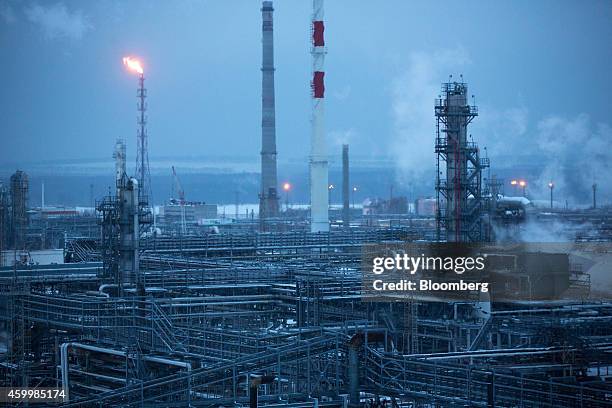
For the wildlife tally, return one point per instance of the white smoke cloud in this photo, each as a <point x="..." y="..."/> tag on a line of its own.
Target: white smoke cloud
<point x="573" y="151"/>
<point x="413" y="95"/>
<point x="57" y="22"/>
<point x="501" y="131"/>
<point x="557" y="231"/>
<point x="577" y="154"/>
<point x="339" y="137"/>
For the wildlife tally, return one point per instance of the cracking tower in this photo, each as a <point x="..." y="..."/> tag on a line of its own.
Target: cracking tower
<point x="459" y="194"/>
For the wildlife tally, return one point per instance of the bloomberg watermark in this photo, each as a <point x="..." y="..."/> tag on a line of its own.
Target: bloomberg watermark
<point x="475" y="272"/>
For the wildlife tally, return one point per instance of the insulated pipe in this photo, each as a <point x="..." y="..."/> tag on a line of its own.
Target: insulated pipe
<point x="254" y="387"/>
<point x="103" y="287"/>
<point x="64" y="361"/>
<point x="166" y="361"/>
<point x="354" y="345"/>
<point x="64" y="368"/>
<point x="495" y="353"/>
<point x="353" y="369"/>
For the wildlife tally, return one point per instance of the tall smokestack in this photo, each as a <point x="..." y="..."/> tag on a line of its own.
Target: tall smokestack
<point x="319" y="199"/>
<point x="345" y="186"/>
<point x="594" y="195"/>
<point x="268" y="197"/>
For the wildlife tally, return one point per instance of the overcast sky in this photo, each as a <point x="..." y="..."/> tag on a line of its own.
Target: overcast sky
<point x="540" y="71"/>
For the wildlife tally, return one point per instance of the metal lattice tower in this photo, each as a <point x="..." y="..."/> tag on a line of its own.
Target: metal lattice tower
<point x="122" y="218"/>
<point x="4" y="212"/>
<point x="459" y="189"/>
<point x="268" y="196"/>
<point x="142" y="155"/>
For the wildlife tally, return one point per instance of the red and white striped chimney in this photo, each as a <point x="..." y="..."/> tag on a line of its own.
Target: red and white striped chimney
<point x="319" y="195"/>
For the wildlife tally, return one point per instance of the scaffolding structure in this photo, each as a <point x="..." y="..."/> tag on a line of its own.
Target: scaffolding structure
<point x="123" y="218"/>
<point x="4" y="220"/>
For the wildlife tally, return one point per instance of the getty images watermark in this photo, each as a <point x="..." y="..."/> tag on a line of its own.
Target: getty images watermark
<point x="413" y="265"/>
<point x="479" y="272"/>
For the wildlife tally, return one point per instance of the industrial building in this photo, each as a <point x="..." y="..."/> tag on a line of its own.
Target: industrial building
<point x="156" y="309"/>
<point x="186" y="213"/>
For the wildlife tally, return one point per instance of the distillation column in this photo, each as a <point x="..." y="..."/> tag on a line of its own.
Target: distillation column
<point x="120" y="163"/>
<point x="456" y="164"/>
<point x="121" y="219"/>
<point x="128" y="194"/>
<point x="459" y="195"/>
<point x="129" y="232"/>
<point x="319" y="198"/>
<point x="19" y="187"/>
<point x="268" y="196"/>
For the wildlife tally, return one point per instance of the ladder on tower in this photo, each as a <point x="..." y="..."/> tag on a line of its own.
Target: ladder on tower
<point x="411" y="311"/>
<point x="19" y="333"/>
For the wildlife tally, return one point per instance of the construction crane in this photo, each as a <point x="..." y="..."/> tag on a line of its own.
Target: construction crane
<point x="179" y="187"/>
<point x="181" y="196"/>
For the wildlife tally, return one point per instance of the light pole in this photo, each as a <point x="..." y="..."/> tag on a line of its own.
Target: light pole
<point x="330" y="189"/>
<point x="353" y="196"/>
<point x="514" y="183"/>
<point x="286" y="188"/>
<point x="551" y="185"/>
<point x="523" y="184"/>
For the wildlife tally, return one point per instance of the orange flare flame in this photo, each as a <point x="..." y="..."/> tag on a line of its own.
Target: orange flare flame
<point x="133" y="64"/>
